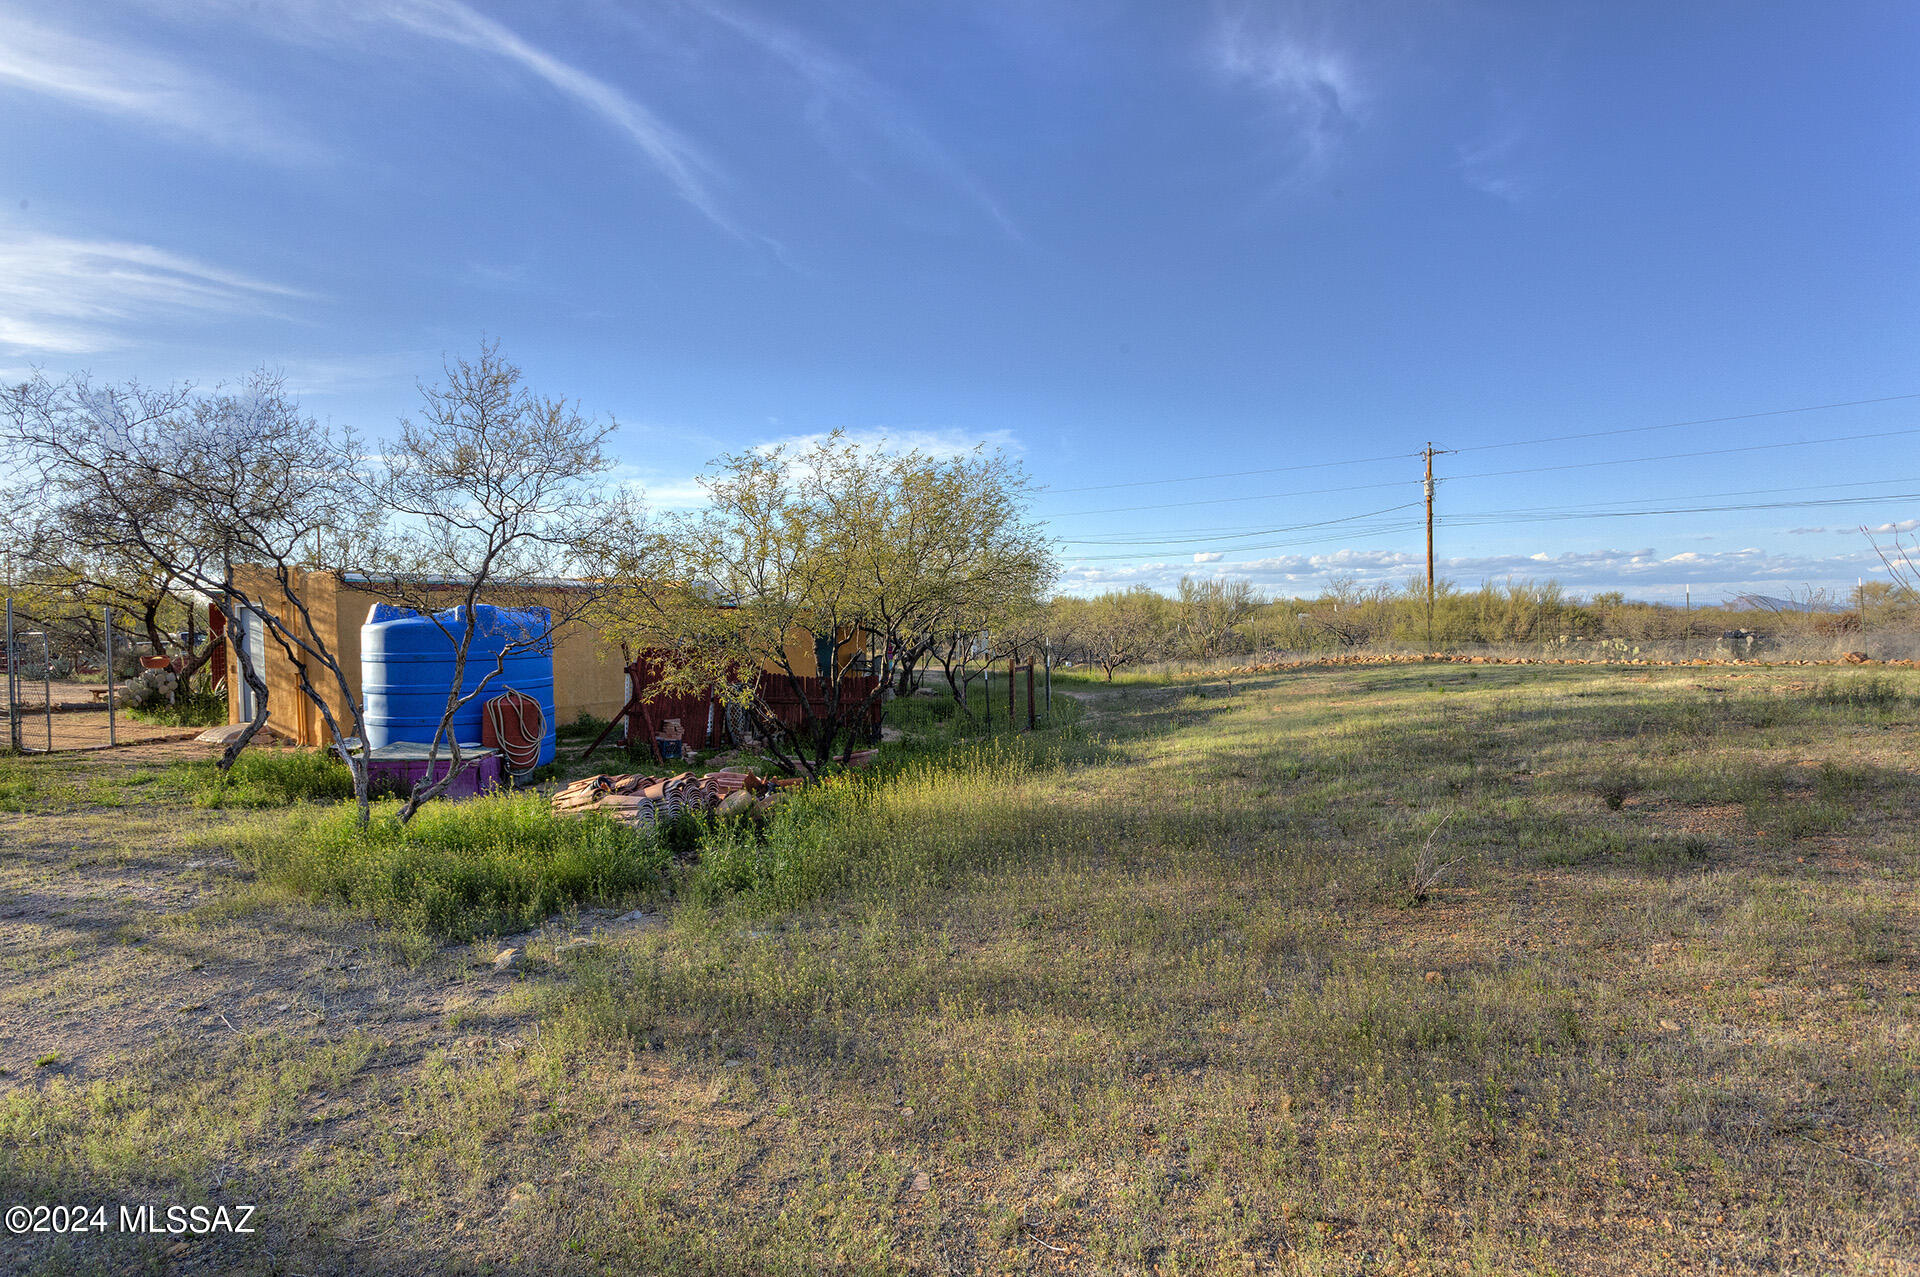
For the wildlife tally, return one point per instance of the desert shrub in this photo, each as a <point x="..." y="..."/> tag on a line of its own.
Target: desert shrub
<point x="196" y="708"/>
<point x="588" y="725"/>
<point x="681" y="835"/>
<point x="907" y="827"/>
<point x="265" y="778"/>
<point x="488" y="865"/>
<point x="159" y="697"/>
<point x="1872" y="691"/>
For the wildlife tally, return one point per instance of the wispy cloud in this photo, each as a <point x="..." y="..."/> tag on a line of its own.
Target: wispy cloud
<point x="860" y="98"/>
<point x="349" y="374"/>
<point x="1498" y="163"/>
<point x="1311" y="84"/>
<point x="660" y="490"/>
<point x="70" y="296"/>
<point x="134" y="85"/>
<point x="686" y="169"/>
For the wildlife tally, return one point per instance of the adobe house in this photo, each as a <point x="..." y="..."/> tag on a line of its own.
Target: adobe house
<point x="589" y="673"/>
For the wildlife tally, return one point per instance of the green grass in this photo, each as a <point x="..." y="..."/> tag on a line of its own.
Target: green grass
<point x="189" y="709"/>
<point x="35" y="783"/>
<point x="1868" y="691"/>
<point x="486" y="866"/>
<point x="264" y="778"/>
<point x="18" y="784"/>
<point x="1346" y="970"/>
<point x="933" y="723"/>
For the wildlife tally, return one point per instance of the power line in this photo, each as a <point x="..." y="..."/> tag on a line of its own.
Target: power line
<point x="1355" y="534"/>
<point x="1495" y="474"/>
<point x="1238" y="474"/>
<point x="1497" y="518"/>
<point x="1265" y="496"/>
<point x="1681" y="456"/>
<point x="1262" y="532"/>
<point x="1701" y="421"/>
<point x="1550" y="516"/>
<point x="1599" y="507"/>
<point x="1488" y="447"/>
<point x="1211" y="536"/>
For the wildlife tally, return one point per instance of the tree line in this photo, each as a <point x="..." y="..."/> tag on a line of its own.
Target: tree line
<point x="167" y="500"/>
<point x="1207" y="618"/>
<point x="177" y="505"/>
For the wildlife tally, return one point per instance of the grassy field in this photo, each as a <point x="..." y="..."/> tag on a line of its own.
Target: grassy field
<point x="1347" y="970"/>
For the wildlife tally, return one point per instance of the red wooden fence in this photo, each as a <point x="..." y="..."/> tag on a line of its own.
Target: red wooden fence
<point x="703" y="718"/>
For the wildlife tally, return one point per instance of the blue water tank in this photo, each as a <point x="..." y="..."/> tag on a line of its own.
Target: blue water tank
<point x="406" y="669"/>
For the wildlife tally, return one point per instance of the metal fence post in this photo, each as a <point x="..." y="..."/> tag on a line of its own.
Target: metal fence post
<point x="14" y="740"/>
<point x="46" y="683"/>
<point x="113" y="727"/>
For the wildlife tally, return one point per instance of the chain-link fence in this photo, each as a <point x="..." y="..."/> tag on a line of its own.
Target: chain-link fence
<point x="73" y="677"/>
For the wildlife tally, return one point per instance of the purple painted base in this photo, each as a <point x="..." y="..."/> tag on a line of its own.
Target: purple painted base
<point x="405" y="764"/>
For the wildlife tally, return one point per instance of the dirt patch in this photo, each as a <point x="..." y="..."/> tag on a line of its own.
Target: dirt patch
<point x="87" y="729"/>
<point x="117" y="928"/>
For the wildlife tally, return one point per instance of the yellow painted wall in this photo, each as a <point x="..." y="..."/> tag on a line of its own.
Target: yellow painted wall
<point x="802" y="655"/>
<point x="588" y="674"/>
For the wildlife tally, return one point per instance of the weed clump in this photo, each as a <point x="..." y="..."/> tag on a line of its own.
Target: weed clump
<point x="1871" y="691"/>
<point x="197" y="708"/>
<point x="266" y="778"/>
<point x="489" y="865"/>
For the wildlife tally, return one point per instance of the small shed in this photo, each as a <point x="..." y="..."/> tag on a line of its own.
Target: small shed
<point x="589" y="675"/>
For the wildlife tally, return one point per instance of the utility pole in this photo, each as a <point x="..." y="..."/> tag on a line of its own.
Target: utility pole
<point x="1428" y="454"/>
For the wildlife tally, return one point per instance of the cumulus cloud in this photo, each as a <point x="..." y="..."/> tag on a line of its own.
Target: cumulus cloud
<point x="1646" y="572"/>
<point x="1904" y="525"/>
<point x="1211" y="556"/>
<point x="671" y="490"/>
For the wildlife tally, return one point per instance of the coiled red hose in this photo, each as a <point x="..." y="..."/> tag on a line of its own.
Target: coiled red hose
<point x="517" y="724"/>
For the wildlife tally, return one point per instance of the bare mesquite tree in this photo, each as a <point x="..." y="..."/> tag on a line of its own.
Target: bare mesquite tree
<point x="810" y="549"/>
<point x="494" y="496"/>
<point x="198" y="484"/>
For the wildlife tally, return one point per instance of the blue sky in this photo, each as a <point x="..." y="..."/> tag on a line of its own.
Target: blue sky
<point x="1127" y="242"/>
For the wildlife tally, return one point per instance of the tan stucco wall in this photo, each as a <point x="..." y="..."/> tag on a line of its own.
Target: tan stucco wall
<point x="588" y="674"/>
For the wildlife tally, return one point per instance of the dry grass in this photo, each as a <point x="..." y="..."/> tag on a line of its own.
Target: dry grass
<point x="1155" y="998"/>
